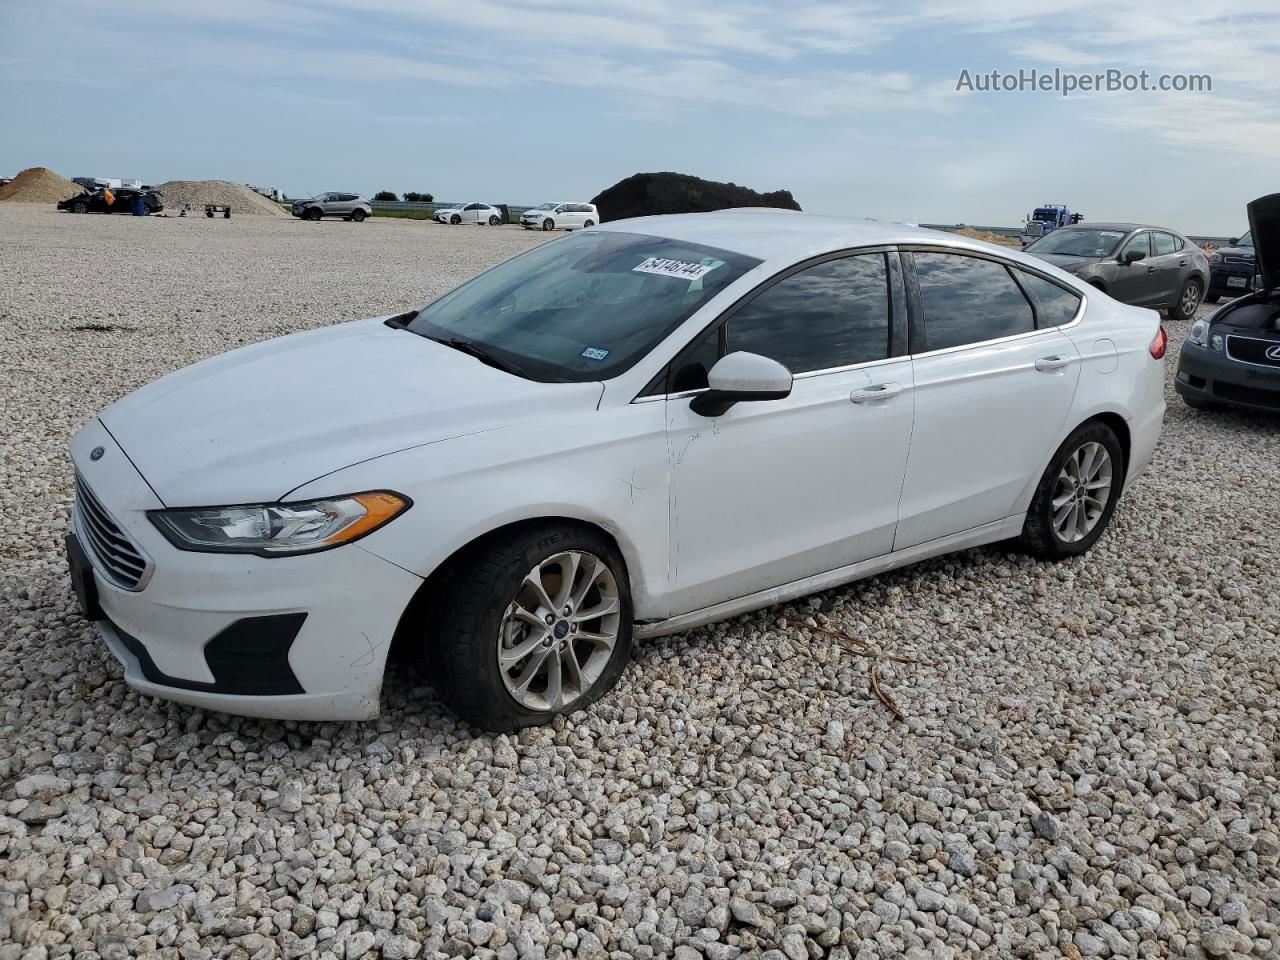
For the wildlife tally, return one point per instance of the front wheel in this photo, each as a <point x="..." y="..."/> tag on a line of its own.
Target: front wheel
<point x="358" y="216"/>
<point x="536" y="625"/>
<point x="588" y="224"/>
<point x="1188" y="300"/>
<point x="455" y="219"/>
<point x="548" y="224"/>
<point x="80" y="208"/>
<point x="1077" y="494"/>
<point x="314" y="214"/>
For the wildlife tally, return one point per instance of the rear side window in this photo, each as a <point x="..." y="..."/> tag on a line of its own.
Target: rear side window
<point x="833" y="314"/>
<point x="968" y="300"/>
<point x="1054" y="304"/>
<point x="1167" y="243"/>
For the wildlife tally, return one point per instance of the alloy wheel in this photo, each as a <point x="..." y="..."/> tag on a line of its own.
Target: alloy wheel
<point x="1082" y="491"/>
<point x="557" y="636"/>
<point x="1190" y="300"/>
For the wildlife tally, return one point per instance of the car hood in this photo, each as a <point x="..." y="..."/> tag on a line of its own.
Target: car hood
<point x="253" y="424"/>
<point x="1066" y="262"/>
<point x="1264" y="221"/>
<point x="1245" y="252"/>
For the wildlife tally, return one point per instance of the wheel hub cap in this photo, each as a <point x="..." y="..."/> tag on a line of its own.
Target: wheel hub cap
<point x="558" y="633"/>
<point x="1082" y="492"/>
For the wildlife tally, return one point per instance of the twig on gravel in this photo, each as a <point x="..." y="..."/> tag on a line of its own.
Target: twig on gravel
<point x="866" y="647"/>
<point x="884" y="697"/>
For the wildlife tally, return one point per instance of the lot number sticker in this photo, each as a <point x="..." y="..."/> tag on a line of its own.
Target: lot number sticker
<point x="679" y="269"/>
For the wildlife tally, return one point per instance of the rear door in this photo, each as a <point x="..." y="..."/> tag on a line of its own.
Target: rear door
<point x="992" y="391"/>
<point x="779" y="490"/>
<point x="1171" y="263"/>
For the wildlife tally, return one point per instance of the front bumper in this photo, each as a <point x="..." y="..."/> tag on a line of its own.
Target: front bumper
<point x="1211" y="376"/>
<point x="1230" y="279"/>
<point x="302" y="638"/>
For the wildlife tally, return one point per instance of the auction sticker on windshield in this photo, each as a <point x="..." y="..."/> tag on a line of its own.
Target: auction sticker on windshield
<point x="679" y="269"/>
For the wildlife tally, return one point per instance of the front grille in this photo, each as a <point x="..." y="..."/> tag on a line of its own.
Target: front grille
<point x="115" y="555"/>
<point x="1033" y="230"/>
<point x="1265" y="353"/>
<point x="1247" y="261"/>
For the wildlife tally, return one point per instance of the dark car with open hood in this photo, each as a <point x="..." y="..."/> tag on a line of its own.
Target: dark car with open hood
<point x="1233" y="357"/>
<point x="111" y="200"/>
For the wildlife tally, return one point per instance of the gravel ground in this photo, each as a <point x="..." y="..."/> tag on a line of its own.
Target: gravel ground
<point x="1089" y="767"/>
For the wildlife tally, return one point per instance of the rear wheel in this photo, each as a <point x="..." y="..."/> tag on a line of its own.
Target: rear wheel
<point x="1184" y="308"/>
<point x="533" y="626"/>
<point x="358" y="215"/>
<point x="588" y="223"/>
<point x="1077" y="494"/>
<point x="494" y="220"/>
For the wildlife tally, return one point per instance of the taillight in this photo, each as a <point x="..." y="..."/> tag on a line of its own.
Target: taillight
<point x="1158" y="345"/>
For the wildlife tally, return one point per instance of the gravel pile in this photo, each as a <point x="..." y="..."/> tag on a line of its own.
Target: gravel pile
<point x="39" y="185"/>
<point x="240" y="198"/>
<point x="1088" y="769"/>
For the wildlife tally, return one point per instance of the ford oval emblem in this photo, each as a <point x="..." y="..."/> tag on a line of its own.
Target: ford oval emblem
<point x="97" y="452"/>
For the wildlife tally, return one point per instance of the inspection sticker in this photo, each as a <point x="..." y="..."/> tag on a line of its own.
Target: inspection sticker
<point x="594" y="353"/>
<point x="680" y="269"/>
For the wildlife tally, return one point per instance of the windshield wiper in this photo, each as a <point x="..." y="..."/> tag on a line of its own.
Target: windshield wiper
<point x="483" y="355"/>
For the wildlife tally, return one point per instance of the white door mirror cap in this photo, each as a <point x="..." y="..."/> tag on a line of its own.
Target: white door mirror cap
<point x="743" y="373"/>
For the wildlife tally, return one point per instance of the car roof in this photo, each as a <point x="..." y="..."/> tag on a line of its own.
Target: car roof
<point x="1126" y="227"/>
<point x="766" y="233"/>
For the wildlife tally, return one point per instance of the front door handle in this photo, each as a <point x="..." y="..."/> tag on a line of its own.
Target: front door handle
<point x="1050" y="364"/>
<point x="880" y="391"/>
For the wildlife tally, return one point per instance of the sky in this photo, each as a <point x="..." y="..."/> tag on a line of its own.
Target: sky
<point x="853" y="106"/>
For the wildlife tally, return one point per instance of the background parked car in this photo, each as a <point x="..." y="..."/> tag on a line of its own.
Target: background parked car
<point x="121" y="201"/>
<point x="560" y="216"/>
<point x="470" y="213"/>
<point x="1233" y="357"/>
<point x="1135" y="263"/>
<point x="1231" y="269"/>
<point x="348" y="206"/>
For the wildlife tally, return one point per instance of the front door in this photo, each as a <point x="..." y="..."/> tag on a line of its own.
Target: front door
<point x="992" y="393"/>
<point x="779" y="490"/>
<point x="1138" y="282"/>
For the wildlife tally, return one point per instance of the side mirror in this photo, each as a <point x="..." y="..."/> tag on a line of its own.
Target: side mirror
<point x="1233" y="241"/>
<point x="1132" y="256"/>
<point x="741" y="377"/>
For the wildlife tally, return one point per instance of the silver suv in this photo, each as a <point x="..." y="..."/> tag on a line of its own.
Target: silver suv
<point x="348" y="206"/>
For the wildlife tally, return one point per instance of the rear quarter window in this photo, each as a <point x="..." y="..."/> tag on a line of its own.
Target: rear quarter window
<point x="1054" y="305"/>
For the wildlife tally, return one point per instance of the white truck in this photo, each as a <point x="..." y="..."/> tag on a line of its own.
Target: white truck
<point x="271" y="193"/>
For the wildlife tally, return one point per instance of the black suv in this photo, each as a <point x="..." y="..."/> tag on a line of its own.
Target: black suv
<point x="1231" y="269"/>
<point x="95" y="201"/>
<point x="1233" y="358"/>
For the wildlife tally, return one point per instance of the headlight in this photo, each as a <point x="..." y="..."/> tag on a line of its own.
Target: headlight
<point x="274" y="529"/>
<point x="1215" y="258"/>
<point x="1199" y="333"/>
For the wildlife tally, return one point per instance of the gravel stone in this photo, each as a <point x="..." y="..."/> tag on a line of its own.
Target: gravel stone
<point x="741" y="793"/>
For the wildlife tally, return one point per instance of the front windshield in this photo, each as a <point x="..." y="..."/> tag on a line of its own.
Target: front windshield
<point x="1246" y="240"/>
<point x="1078" y="242"/>
<point x="586" y="307"/>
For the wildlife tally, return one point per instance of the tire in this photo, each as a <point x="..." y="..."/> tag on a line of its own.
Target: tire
<point x="464" y="655"/>
<point x="80" y="208"/>
<point x="1212" y="297"/>
<point x="455" y="219"/>
<point x="588" y="224"/>
<point x="548" y="224"/>
<point x="358" y="216"/>
<point x="494" y="220"/>
<point x="1184" y="308"/>
<point x="314" y="214"/>
<point x="1068" y="536"/>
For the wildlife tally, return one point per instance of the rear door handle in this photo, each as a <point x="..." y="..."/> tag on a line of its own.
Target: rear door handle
<point x="880" y="391"/>
<point x="1050" y="364"/>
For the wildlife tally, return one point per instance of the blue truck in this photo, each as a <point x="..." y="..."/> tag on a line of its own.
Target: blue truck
<point x="1046" y="219"/>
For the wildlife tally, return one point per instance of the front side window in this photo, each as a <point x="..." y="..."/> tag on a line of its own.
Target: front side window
<point x="586" y="307"/>
<point x="832" y="314"/>
<point x="968" y="300"/>
<point x="1246" y="240"/>
<point x="472" y="206"/>
<point x="1141" y="243"/>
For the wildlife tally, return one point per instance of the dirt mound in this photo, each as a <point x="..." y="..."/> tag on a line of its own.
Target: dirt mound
<point x="1001" y="238"/>
<point x="39" y="185"/>
<point x="240" y="198"/>
<point x="646" y="194"/>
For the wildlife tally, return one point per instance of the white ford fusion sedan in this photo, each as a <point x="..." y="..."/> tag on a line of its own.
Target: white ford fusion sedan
<point x="633" y="430"/>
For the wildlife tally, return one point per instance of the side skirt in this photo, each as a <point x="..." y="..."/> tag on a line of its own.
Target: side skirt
<point x="988" y="533"/>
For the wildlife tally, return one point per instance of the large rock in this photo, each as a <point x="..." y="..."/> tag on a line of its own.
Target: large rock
<point x="646" y="194"/>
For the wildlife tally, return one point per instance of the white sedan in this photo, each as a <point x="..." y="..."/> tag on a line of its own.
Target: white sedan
<point x="628" y="431"/>
<point x="470" y="213"/>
